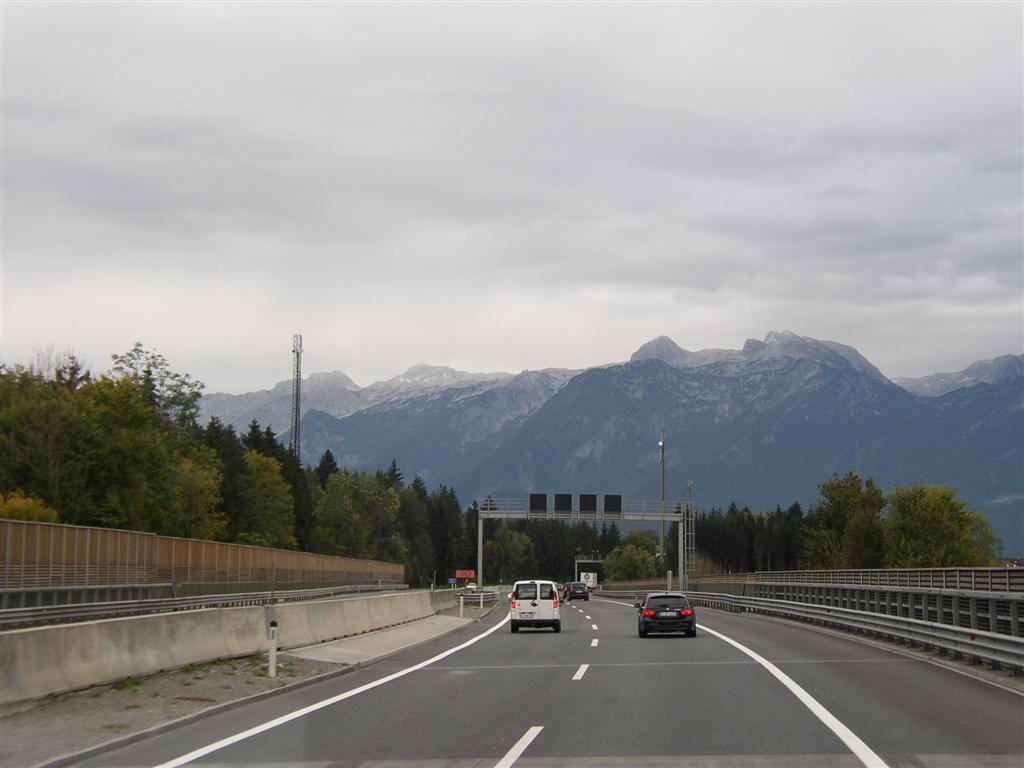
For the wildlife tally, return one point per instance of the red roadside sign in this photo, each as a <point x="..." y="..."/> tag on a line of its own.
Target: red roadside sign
<point x="465" y="574"/>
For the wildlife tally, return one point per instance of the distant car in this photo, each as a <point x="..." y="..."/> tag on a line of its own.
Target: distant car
<point x="665" y="612"/>
<point x="471" y="587"/>
<point x="535" y="604"/>
<point x="576" y="590"/>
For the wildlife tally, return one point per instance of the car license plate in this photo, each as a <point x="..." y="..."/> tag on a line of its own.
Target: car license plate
<point x="526" y="614"/>
<point x="667" y="615"/>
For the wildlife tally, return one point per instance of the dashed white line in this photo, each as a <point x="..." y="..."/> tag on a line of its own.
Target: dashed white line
<point x="594" y="626"/>
<point x="581" y="672"/>
<point x="593" y="643"/>
<point x="519" y="747"/>
<point x="588" y="617"/>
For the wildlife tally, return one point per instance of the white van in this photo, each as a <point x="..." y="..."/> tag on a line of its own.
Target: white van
<point x="535" y="604"/>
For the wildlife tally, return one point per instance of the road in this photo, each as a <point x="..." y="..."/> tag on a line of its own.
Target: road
<point x="808" y="699"/>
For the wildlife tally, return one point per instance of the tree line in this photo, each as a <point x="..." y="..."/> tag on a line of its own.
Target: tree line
<point x="125" y="450"/>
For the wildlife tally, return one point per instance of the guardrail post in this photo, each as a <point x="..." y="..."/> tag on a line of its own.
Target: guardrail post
<point x="461" y="600"/>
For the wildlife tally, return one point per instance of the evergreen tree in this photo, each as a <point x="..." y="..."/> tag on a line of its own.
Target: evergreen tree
<point x="325" y="468"/>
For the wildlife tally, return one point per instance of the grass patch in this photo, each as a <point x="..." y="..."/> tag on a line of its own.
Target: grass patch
<point x="127" y="684"/>
<point x="116" y="727"/>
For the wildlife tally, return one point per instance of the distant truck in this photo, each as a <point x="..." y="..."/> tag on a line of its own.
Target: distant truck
<point x="590" y="579"/>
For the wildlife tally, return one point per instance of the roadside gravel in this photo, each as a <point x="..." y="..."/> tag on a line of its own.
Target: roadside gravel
<point x="35" y="732"/>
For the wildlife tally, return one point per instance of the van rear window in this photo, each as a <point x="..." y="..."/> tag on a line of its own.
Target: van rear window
<point x="547" y="592"/>
<point x="527" y="592"/>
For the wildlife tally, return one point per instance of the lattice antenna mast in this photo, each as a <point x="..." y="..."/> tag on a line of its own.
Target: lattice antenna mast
<point x="296" y="393"/>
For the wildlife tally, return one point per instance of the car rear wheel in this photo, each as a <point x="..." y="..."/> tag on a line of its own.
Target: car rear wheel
<point x="515" y="629"/>
<point x="641" y="631"/>
<point x="557" y="626"/>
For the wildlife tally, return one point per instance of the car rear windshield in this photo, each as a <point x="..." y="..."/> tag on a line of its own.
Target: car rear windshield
<point x="579" y="585"/>
<point x="667" y="603"/>
<point x="527" y="592"/>
<point x="547" y="591"/>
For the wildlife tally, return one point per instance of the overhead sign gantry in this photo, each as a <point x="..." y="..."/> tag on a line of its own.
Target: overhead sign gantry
<point x="586" y="507"/>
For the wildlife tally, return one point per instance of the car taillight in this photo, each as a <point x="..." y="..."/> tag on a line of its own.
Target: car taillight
<point x="513" y="605"/>
<point x="648" y="613"/>
<point x="556" y="603"/>
<point x="686" y="612"/>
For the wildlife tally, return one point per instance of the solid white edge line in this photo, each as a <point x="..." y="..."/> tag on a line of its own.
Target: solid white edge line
<point x="296" y="714"/>
<point x="581" y="672"/>
<point x="519" y="747"/>
<point x="593" y="643"/>
<point x="863" y="752"/>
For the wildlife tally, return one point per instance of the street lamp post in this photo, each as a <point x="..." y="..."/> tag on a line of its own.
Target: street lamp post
<point x="661" y="460"/>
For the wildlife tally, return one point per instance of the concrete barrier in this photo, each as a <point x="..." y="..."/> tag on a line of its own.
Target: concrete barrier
<point x="39" y="661"/>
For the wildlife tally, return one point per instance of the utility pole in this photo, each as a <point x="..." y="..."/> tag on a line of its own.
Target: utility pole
<point x="661" y="460"/>
<point x="296" y="395"/>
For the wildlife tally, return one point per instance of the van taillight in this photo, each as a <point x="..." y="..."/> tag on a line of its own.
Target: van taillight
<point x="556" y="603"/>
<point x="513" y="605"/>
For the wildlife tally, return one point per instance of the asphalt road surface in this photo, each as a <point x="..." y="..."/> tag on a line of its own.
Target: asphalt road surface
<point x="746" y="691"/>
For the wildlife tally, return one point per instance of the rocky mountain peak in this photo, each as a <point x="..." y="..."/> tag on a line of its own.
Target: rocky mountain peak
<point x="661" y="348"/>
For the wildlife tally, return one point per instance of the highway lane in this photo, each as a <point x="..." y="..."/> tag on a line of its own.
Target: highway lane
<point x="656" y="701"/>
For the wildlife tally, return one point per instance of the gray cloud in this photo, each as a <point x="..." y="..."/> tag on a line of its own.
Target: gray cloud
<point x="501" y="186"/>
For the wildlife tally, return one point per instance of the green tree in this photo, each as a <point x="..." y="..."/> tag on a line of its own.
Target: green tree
<point x="264" y="441"/>
<point x="232" y="491"/>
<point x="447" y="530"/>
<point x="629" y="562"/>
<point x="392" y="477"/>
<point x="174" y="394"/>
<point x="414" y="524"/>
<point x="844" y="529"/>
<point x="194" y="506"/>
<point x="325" y="468"/>
<point x="928" y="527"/>
<point x="269" y="515"/>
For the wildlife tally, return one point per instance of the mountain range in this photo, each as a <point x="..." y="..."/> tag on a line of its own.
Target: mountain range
<point x="760" y="426"/>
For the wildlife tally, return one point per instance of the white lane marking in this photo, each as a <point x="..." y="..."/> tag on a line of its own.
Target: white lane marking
<point x="593" y="643"/>
<point x="519" y="747"/>
<point x="594" y="626"/>
<point x="848" y="737"/>
<point x="296" y="714"/>
<point x="588" y="617"/>
<point x="581" y="672"/>
<point x="863" y="752"/>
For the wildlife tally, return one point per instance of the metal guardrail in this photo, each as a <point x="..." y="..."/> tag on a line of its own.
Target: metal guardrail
<point x="968" y="579"/>
<point x="996" y="649"/>
<point x="15" y="618"/>
<point x="479" y="596"/>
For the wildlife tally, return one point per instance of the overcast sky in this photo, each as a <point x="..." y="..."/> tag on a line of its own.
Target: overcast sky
<point x="508" y="186"/>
